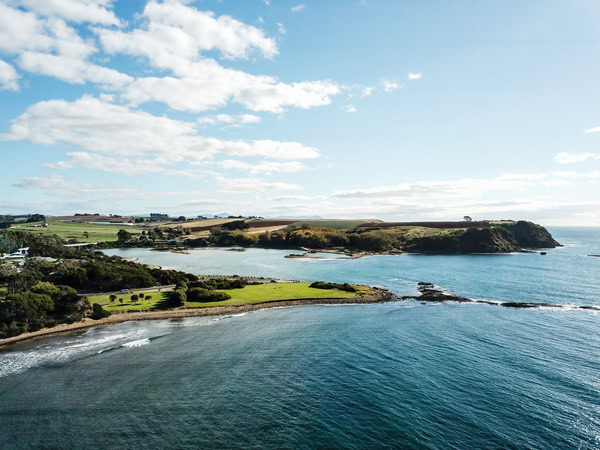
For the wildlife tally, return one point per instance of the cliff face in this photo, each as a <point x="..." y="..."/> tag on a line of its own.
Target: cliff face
<point x="498" y="238"/>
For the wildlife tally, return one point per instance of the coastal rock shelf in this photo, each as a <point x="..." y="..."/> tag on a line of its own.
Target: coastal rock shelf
<point x="432" y="293"/>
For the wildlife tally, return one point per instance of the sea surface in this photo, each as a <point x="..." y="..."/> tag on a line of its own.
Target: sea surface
<point x="394" y="375"/>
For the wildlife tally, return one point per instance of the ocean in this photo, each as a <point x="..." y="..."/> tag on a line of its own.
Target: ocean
<point x="399" y="374"/>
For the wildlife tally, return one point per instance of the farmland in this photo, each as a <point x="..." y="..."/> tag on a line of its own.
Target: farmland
<point x="82" y="232"/>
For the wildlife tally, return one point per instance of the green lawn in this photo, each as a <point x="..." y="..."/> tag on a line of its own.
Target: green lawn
<point x="280" y="291"/>
<point x="249" y="294"/>
<point x="128" y="304"/>
<point x="67" y="231"/>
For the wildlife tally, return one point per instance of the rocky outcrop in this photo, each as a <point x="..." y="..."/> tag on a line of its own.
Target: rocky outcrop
<point x="497" y="238"/>
<point x="431" y="293"/>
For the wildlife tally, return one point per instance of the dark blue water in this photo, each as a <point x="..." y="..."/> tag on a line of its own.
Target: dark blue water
<point x="364" y="376"/>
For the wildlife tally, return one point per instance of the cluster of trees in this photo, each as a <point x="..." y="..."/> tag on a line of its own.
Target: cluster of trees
<point x="204" y="290"/>
<point x="342" y="287"/>
<point x="43" y="304"/>
<point x="305" y="236"/>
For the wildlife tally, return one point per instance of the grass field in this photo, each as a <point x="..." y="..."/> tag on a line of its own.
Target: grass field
<point x="128" y="304"/>
<point x="250" y="294"/>
<point x="67" y="231"/>
<point x="280" y="291"/>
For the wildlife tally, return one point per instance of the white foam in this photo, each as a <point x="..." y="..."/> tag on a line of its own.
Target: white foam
<point x="137" y="343"/>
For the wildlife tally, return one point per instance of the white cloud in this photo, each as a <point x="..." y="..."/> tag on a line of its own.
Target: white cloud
<point x="467" y="187"/>
<point x="23" y="31"/>
<point x="367" y="91"/>
<point x="390" y="85"/>
<point x="51" y="47"/>
<point x="593" y="130"/>
<point x="570" y="158"/>
<point x="350" y="109"/>
<point x="281" y="28"/>
<point x="119" y="165"/>
<point x="8" y="77"/>
<point x="72" y="70"/>
<point x="174" y="39"/>
<point x="226" y="119"/>
<point x="414" y="76"/>
<point x="298" y="8"/>
<point x="98" y="126"/>
<point x="266" y="167"/>
<point x="267" y="2"/>
<point x="175" y="31"/>
<point x="93" y="11"/>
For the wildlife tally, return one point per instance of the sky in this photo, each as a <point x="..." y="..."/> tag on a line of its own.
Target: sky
<point x="390" y="109"/>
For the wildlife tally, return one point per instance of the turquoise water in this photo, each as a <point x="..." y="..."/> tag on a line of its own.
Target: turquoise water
<point x="399" y="374"/>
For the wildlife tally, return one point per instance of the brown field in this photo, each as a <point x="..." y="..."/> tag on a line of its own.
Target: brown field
<point x="270" y="223"/>
<point x="95" y="218"/>
<point x="265" y="229"/>
<point x="474" y="224"/>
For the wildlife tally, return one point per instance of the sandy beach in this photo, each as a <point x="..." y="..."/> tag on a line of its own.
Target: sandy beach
<point x="380" y="296"/>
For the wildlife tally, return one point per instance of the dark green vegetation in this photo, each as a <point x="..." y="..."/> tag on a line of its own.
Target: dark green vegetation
<point x="497" y="237"/>
<point x="203" y="291"/>
<point x="341" y="286"/>
<point x="42" y="305"/>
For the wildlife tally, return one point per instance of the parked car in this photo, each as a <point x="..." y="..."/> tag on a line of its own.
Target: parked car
<point x="124" y="291"/>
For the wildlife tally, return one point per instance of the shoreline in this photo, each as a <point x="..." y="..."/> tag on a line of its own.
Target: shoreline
<point x="380" y="296"/>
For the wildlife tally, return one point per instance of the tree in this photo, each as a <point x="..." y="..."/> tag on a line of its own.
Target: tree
<point x="467" y="219"/>
<point x="123" y="236"/>
<point x="134" y="298"/>
<point x="141" y="295"/>
<point x="121" y="300"/>
<point x="98" y="312"/>
<point x="112" y="298"/>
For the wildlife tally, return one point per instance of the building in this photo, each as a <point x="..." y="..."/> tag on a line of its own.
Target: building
<point x="19" y="254"/>
<point x="159" y="216"/>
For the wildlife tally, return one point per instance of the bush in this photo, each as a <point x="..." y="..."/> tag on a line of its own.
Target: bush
<point x="98" y="312"/>
<point x="134" y="298"/>
<point x="342" y="287"/>
<point x="177" y="298"/>
<point x="206" y="295"/>
<point x="141" y="295"/>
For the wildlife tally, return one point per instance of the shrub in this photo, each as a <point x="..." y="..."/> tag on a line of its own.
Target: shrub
<point x="98" y="312"/>
<point x="177" y="298"/>
<point x="141" y="295"/>
<point x="342" y="287"/>
<point x="206" y="295"/>
<point x="134" y="297"/>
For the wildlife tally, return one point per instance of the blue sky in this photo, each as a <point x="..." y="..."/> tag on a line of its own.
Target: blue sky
<point x="399" y="110"/>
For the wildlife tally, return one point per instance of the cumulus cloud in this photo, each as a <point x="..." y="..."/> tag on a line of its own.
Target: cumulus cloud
<point x="93" y="11"/>
<point x="298" y="8"/>
<point x="177" y="31"/>
<point x="175" y="37"/>
<point x="350" y="109"/>
<point x="51" y="47"/>
<point x="414" y="76"/>
<point x="390" y="85"/>
<point x="367" y="91"/>
<point x="8" y="77"/>
<point x="98" y="126"/>
<point x="570" y="158"/>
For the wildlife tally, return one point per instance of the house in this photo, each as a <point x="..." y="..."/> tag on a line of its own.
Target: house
<point x="19" y="254"/>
